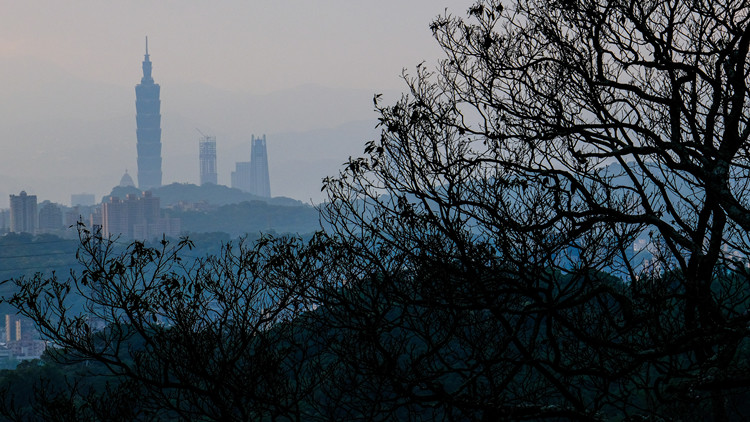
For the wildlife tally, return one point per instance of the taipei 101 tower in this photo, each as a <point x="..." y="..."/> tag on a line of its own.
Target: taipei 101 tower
<point x="148" y="121"/>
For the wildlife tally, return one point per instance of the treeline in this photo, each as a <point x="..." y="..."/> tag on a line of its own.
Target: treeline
<point x="47" y="390"/>
<point x="22" y="254"/>
<point x="249" y="217"/>
<point x="238" y="338"/>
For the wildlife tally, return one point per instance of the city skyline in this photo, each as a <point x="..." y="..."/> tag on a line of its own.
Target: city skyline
<point x="291" y="71"/>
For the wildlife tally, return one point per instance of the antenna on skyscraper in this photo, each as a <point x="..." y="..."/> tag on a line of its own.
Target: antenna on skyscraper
<point x="147" y="45"/>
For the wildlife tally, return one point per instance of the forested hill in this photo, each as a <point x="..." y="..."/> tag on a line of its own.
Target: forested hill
<point x="216" y="208"/>
<point x="249" y="218"/>
<point x="212" y="194"/>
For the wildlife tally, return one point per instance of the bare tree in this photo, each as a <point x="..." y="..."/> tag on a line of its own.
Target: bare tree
<point x="203" y="338"/>
<point x="559" y="213"/>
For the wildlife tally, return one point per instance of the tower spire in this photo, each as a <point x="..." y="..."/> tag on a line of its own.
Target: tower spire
<point x="146" y="66"/>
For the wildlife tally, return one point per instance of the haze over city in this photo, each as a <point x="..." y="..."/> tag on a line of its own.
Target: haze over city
<point x="303" y="73"/>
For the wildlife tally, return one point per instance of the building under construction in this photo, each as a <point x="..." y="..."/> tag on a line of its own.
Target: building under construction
<point x="207" y="156"/>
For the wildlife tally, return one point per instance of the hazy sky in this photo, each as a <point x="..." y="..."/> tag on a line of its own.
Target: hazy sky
<point x="51" y="50"/>
<point x="256" y="46"/>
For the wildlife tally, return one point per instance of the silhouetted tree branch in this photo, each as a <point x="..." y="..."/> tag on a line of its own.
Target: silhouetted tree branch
<point x="570" y="185"/>
<point x="204" y="338"/>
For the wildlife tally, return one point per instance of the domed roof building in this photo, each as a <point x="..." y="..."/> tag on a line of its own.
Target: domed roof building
<point x="126" y="181"/>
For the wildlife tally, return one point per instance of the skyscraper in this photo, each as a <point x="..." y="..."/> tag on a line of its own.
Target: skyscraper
<point x="260" y="183"/>
<point x="23" y="213"/>
<point x="207" y="153"/>
<point x="50" y="218"/>
<point x="252" y="176"/>
<point x="148" y="120"/>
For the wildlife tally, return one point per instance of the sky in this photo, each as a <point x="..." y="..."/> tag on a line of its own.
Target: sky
<point x="69" y="68"/>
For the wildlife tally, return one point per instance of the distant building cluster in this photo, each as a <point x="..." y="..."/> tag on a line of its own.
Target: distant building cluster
<point x="26" y="216"/>
<point x="250" y="176"/>
<point x="21" y="341"/>
<point x="136" y="218"/>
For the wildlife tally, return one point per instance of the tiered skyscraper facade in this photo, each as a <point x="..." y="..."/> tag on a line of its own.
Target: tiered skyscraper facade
<point x="148" y="120"/>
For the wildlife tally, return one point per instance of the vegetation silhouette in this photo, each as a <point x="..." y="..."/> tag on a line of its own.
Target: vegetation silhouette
<point x="553" y="225"/>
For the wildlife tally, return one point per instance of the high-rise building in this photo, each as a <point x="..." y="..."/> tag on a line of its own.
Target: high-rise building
<point x="4" y="221"/>
<point x="23" y="213"/>
<point x="115" y="218"/>
<point x="148" y="121"/>
<point x="242" y="176"/>
<point x="207" y="153"/>
<point x="50" y="217"/>
<point x="9" y="325"/>
<point x="252" y="176"/>
<point x="260" y="183"/>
